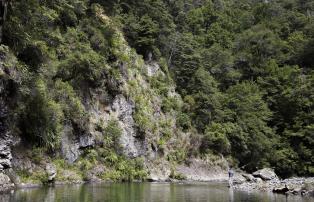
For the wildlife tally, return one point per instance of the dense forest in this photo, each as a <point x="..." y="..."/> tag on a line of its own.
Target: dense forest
<point x="244" y="70"/>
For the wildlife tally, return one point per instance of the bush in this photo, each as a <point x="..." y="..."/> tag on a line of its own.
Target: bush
<point x="143" y="114"/>
<point x="127" y="170"/>
<point x="112" y="133"/>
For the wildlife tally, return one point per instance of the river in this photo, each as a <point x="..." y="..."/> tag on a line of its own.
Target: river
<point x="150" y="192"/>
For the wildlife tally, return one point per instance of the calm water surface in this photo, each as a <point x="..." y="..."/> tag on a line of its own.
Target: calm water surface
<point x="154" y="192"/>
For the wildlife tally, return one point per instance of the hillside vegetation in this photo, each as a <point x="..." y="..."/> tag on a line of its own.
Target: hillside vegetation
<point x="243" y="70"/>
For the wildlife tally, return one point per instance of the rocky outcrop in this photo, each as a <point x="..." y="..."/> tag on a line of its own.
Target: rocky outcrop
<point x="70" y="147"/>
<point x="5" y="152"/>
<point x="8" y="79"/>
<point x="5" y="183"/>
<point x="123" y="109"/>
<point x="267" y="180"/>
<point x="152" y="69"/>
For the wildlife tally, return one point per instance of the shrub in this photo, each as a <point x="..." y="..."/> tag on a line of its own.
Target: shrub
<point x="112" y="134"/>
<point x="42" y="118"/>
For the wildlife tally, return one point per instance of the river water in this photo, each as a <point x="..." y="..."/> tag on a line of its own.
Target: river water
<point x="150" y="192"/>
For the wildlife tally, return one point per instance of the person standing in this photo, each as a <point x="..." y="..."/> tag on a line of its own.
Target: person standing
<point x="230" y="173"/>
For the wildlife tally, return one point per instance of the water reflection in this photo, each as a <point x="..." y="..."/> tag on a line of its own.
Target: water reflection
<point x="231" y="199"/>
<point x="138" y="192"/>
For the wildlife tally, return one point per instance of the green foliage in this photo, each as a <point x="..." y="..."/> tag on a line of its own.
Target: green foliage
<point x="184" y="121"/>
<point x="177" y="176"/>
<point x="244" y="69"/>
<point x="40" y="177"/>
<point x="127" y="170"/>
<point x="112" y="133"/>
<point x="42" y="118"/>
<point x="246" y="108"/>
<point x="142" y="116"/>
<point x="170" y="103"/>
<point x="215" y="138"/>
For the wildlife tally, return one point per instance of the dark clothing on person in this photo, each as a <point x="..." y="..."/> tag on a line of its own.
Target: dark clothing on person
<point x="230" y="172"/>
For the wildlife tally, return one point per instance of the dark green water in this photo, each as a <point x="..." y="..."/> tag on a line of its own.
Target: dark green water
<point x="154" y="192"/>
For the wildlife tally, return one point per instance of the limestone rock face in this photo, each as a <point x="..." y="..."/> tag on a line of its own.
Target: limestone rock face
<point x="131" y="145"/>
<point x="5" y="183"/>
<point x="8" y="79"/>
<point x="5" y="152"/>
<point x="69" y="145"/>
<point x="266" y="174"/>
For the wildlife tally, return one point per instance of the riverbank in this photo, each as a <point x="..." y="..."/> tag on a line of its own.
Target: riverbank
<point x="267" y="180"/>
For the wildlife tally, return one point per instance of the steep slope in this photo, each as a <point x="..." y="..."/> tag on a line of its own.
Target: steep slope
<point x="83" y="105"/>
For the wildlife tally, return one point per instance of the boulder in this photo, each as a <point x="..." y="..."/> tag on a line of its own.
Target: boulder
<point x="238" y="179"/>
<point x="5" y="183"/>
<point x="266" y="174"/>
<point x="249" y="177"/>
<point x="258" y="180"/>
<point x="51" y="171"/>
